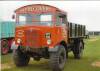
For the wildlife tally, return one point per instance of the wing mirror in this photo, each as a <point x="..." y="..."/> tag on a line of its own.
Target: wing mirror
<point x="13" y="16"/>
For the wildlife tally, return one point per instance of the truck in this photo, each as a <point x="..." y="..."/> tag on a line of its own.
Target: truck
<point x="43" y="31"/>
<point x="7" y="32"/>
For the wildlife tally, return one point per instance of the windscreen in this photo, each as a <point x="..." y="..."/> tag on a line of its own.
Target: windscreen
<point x="35" y="19"/>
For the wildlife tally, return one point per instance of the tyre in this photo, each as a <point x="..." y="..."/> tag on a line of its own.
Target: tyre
<point x="78" y="50"/>
<point x="20" y="58"/>
<point x="58" y="59"/>
<point x="4" y="47"/>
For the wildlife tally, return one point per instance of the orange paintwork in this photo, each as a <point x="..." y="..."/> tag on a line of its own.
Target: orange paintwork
<point x="34" y="35"/>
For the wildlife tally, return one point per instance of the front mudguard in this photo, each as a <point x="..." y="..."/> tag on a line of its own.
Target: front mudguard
<point x="14" y="46"/>
<point x="53" y="49"/>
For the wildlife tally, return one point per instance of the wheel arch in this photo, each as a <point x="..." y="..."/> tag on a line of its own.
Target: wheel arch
<point x="64" y="44"/>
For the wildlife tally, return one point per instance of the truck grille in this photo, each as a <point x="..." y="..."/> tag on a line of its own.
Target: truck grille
<point x="32" y="39"/>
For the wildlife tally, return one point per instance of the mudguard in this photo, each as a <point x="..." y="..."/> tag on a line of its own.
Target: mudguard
<point x="53" y="49"/>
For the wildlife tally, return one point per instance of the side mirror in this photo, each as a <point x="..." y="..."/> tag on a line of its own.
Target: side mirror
<point x="13" y="16"/>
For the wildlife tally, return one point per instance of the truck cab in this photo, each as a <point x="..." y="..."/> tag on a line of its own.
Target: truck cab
<point x="44" y="24"/>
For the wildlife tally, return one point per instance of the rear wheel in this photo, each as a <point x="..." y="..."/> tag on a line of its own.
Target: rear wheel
<point x="4" y="47"/>
<point x="78" y="50"/>
<point x="20" y="58"/>
<point x="58" y="59"/>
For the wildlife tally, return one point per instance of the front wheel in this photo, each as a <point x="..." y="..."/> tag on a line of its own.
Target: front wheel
<point x="20" y="58"/>
<point x="58" y="59"/>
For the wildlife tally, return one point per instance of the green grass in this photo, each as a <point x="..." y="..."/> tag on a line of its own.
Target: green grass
<point x="91" y="54"/>
<point x="6" y="58"/>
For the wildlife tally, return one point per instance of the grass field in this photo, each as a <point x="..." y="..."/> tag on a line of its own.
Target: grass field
<point x="89" y="62"/>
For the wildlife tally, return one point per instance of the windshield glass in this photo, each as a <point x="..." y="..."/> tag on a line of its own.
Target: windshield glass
<point x="35" y="19"/>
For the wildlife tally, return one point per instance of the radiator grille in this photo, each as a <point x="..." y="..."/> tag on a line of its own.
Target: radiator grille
<point x="32" y="38"/>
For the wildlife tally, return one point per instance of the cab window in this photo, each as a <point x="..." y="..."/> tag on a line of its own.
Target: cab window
<point x="61" y="19"/>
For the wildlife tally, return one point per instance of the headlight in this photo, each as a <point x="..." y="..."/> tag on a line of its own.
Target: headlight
<point x="48" y="35"/>
<point x="49" y="41"/>
<point x="18" y="40"/>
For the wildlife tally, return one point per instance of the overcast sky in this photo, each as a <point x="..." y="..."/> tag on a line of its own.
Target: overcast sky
<point x="82" y="12"/>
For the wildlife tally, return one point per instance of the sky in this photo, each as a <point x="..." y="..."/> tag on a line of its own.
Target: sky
<point x="81" y="12"/>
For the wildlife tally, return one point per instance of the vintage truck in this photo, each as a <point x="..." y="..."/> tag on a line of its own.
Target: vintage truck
<point x="7" y="33"/>
<point x="43" y="31"/>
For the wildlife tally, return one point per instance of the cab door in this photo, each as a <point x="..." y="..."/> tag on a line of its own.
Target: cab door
<point x="61" y="26"/>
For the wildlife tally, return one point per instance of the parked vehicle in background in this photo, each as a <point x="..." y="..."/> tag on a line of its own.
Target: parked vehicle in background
<point x="43" y="31"/>
<point x="7" y="33"/>
<point x="87" y="34"/>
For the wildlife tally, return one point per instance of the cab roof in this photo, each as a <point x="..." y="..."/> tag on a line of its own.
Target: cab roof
<point x="38" y="8"/>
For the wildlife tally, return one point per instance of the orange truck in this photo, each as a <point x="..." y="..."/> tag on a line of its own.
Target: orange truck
<point x="43" y="31"/>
